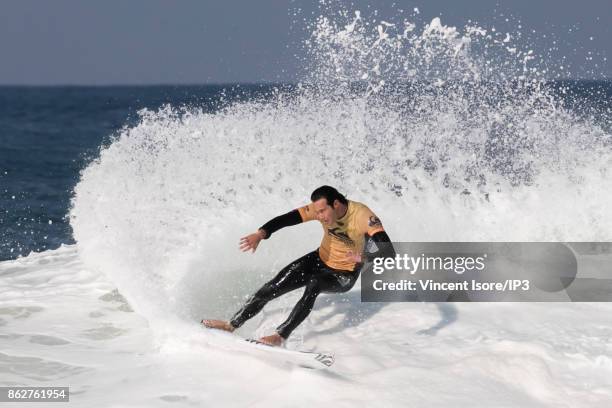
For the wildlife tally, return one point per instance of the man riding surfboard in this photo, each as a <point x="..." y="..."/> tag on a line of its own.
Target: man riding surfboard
<point x="333" y="267"/>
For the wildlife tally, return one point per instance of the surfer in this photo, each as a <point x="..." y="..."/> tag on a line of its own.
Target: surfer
<point x="332" y="268"/>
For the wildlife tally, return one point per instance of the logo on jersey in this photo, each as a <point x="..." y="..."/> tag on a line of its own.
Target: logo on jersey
<point x="374" y="221"/>
<point x="342" y="236"/>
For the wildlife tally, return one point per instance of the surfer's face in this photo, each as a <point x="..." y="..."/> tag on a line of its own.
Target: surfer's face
<point x="325" y="212"/>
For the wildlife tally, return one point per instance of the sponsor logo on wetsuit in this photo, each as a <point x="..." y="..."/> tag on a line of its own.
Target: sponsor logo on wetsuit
<point x="374" y="221"/>
<point x="342" y="236"/>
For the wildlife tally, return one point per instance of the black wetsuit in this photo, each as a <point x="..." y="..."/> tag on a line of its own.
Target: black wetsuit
<point x="308" y="271"/>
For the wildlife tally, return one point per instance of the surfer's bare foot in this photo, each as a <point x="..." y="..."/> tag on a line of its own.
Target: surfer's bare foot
<point x="218" y="324"/>
<point x="273" y="339"/>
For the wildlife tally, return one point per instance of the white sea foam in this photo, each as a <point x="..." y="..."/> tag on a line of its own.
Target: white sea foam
<point x="65" y="325"/>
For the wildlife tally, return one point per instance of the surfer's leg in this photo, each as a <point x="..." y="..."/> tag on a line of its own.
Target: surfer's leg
<point x="302" y="308"/>
<point x="291" y="277"/>
<point x="324" y="281"/>
<point x="338" y="282"/>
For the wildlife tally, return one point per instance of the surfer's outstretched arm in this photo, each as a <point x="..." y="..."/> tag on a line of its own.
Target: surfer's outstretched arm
<point x="250" y="242"/>
<point x="293" y="217"/>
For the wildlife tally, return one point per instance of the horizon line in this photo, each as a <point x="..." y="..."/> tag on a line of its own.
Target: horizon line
<point x="215" y="84"/>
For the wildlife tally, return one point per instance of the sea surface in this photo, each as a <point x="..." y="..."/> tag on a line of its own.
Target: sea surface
<point x="49" y="134"/>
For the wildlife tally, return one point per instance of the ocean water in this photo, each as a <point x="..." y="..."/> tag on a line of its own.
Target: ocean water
<point x="121" y="211"/>
<point x="50" y="134"/>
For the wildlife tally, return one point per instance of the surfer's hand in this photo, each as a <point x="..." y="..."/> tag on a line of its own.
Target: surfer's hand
<point x="353" y="257"/>
<point x="251" y="241"/>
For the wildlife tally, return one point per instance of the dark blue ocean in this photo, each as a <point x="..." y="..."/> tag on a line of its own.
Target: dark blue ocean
<point x="49" y="134"/>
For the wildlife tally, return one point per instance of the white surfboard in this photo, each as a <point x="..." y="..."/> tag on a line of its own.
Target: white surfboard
<point x="309" y="359"/>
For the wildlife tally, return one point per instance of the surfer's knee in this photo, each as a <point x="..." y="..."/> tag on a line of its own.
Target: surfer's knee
<point x="313" y="287"/>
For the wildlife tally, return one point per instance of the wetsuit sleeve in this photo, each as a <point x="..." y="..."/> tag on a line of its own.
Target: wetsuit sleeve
<point x="291" y="218"/>
<point x="384" y="245"/>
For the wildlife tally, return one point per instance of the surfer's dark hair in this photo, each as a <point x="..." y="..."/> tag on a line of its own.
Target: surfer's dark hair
<point x="330" y="195"/>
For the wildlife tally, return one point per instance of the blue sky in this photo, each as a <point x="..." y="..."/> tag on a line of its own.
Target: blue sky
<point x="191" y="42"/>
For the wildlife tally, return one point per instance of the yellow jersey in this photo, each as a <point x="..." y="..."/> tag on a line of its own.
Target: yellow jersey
<point x="346" y="235"/>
